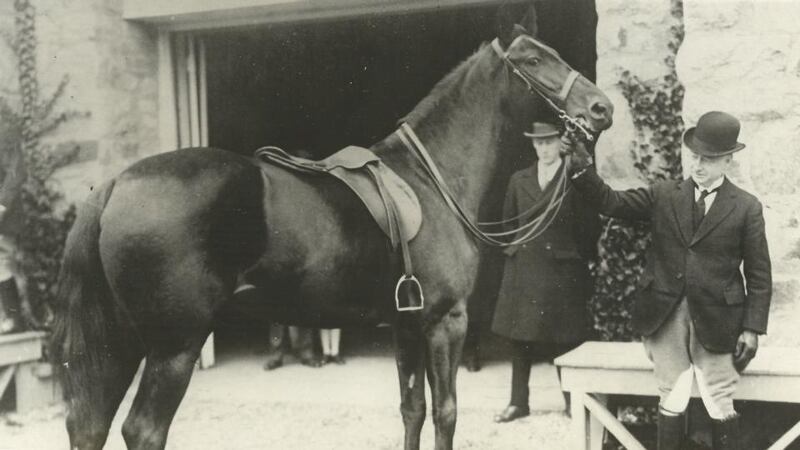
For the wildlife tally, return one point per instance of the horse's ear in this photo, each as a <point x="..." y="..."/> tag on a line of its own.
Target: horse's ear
<point x="505" y="24"/>
<point x="529" y="21"/>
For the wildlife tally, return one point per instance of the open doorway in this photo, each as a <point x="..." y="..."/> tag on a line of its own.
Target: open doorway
<point x="318" y="87"/>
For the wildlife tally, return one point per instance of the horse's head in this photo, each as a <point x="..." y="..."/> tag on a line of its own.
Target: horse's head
<point x="576" y="99"/>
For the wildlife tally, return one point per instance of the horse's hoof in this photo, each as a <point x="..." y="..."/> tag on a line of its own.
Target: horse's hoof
<point x="273" y="364"/>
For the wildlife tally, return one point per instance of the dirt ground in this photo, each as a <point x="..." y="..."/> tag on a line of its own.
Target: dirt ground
<point x="237" y="405"/>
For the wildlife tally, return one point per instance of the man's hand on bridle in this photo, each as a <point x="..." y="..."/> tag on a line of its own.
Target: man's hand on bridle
<point x="575" y="154"/>
<point x="746" y="347"/>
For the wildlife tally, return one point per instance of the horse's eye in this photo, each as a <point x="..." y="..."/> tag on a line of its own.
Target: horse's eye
<point x="534" y="60"/>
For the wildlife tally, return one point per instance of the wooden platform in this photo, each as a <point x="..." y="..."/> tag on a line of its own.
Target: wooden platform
<point x="595" y="370"/>
<point x="20" y="355"/>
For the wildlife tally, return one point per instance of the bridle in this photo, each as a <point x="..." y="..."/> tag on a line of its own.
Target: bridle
<point x="533" y="229"/>
<point x="571" y="124"/>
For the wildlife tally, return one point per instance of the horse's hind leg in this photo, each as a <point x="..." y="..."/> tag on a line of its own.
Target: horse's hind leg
<point x="175" y="332"/>
<point x="92" y="409"/>
<point x="410" y="355"/>
<point x="445" y="343"/>
<point x="164" y="381"/>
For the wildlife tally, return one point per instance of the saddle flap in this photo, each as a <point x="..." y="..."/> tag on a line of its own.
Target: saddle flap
<point x="379" y="185"/>
<point x="371" y="180"/>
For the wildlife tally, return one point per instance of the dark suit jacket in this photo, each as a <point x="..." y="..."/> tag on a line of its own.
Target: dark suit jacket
<point x="546" y="282"/>
<point x="703" y="266"/>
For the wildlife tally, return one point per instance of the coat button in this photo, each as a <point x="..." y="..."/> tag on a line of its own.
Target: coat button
<point x="548" y="246"/>
<point x="679" y="276"/>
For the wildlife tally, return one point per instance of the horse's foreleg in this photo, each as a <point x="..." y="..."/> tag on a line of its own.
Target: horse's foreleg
<point x="164" y="381"/>
<point x="445" y="341"/>
<point x="410" y="356"/>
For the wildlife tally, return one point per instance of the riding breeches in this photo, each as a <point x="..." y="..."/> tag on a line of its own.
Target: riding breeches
<point x="679" y="359"/>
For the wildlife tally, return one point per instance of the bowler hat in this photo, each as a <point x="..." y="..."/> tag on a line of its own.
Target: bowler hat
<point x="542" y="130"/>
<point x="715" y="135"/>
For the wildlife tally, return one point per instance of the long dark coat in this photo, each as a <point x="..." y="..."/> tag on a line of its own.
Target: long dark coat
<point x="546" y="283"/>
<point x="703" y="265"/>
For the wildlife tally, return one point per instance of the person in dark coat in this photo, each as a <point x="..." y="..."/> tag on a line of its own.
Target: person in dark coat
<point x="542" y="304"/>
<point x="705" y="292"/>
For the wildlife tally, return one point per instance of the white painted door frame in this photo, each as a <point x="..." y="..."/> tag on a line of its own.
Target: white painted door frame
<point x="183" y="108"/>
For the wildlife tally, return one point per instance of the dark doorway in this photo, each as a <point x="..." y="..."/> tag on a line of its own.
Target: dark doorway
<point x="318" y="87"/>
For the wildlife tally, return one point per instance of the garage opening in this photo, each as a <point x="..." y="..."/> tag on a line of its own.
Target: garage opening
<point x="315" y="87"/>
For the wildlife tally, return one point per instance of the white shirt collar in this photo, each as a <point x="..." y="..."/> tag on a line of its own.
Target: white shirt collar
<point x="715" y="185"/>
<point x="545" y="172"/>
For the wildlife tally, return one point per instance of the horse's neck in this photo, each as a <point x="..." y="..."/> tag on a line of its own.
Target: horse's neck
<point x="461" y="127"/>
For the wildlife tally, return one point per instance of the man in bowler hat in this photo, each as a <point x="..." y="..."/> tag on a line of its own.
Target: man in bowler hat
<point x="546" y="283"/>
<point x="704" y="296"/>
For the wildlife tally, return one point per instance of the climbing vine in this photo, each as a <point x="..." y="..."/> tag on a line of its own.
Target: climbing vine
<point x="656" y="106"/>
<point x="41" y="218"/>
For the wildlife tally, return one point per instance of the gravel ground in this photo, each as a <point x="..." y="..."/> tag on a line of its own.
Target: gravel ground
<point x="235" y="425"/>
<point x="236" y="405"/>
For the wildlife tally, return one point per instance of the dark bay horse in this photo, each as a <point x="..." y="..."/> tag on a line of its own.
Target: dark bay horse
<point x="155" y="253"/>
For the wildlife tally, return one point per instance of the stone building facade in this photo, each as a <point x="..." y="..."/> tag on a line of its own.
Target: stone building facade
<point x="738" y="56"/>
<point x="111" y="66"/>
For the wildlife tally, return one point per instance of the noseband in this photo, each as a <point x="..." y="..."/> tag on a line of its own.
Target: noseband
<point x="571" y="124"/>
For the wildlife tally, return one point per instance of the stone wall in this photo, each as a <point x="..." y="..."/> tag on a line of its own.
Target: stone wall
<point x="737" y="56"/>
<point x="112" y="69"/>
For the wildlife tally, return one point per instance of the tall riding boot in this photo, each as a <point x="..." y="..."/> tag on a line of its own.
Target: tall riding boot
<point x="725" y="434"/>
<point x="10" y="307"/>
<point x="671" y="431"/>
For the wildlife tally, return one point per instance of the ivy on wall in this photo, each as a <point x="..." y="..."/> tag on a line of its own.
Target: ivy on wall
<point x="656" y="107"/>
<point x="43" y="219"/>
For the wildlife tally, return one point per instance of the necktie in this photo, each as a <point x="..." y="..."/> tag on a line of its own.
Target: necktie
<point x="699" y="210"/>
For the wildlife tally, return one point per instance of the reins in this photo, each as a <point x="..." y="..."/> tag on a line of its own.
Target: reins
<point x="533" y="229"/>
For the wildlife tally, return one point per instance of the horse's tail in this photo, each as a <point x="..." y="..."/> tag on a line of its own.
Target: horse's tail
<point x="81" y="340"/>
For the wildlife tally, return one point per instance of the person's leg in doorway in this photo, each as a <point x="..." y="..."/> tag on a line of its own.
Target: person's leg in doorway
<point x="302" y="345"/>
<point x="330" y="339"/>
<point x="471" y="356"/>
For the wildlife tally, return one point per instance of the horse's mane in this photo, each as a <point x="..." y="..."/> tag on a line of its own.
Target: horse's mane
<point x="448" y="91"/>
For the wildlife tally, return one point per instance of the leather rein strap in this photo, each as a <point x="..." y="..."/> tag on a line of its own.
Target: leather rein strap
<point x="527" y="232"/>
<point x="533" y="229"/>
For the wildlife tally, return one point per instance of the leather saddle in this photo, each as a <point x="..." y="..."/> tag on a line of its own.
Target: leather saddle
<point x="390" y="200"/>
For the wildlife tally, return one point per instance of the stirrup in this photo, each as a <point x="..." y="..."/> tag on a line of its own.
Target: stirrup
<point x="410" y="279"/>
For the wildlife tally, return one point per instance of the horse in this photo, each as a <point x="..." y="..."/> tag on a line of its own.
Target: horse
<point x="156" y="251"/>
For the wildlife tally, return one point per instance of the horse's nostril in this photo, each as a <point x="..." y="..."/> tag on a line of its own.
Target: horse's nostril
<point x="598" y="109"/>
